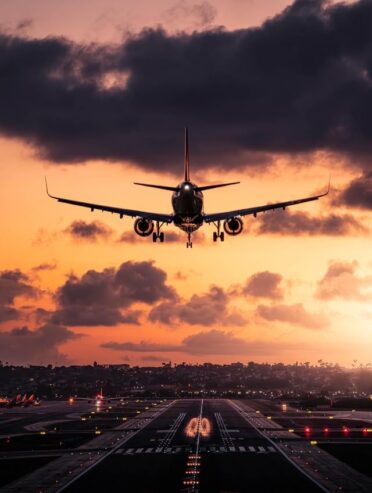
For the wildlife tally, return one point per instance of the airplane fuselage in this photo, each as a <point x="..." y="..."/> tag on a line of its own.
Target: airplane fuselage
<point x="187" y="204"/>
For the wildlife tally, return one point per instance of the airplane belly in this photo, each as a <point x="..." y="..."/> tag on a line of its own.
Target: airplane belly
<point x="188" y="224"/>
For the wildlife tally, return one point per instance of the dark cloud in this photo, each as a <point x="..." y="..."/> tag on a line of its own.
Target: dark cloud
<point x="341" y="281"/>
<point x="300" y="82"/>
<point x="8" y="313"/>
<point x="211" y="342"/>
<point x="13" y="283"/>
<point x="264" y="285"/>
<point x="92" y="231"/>
<point x="301" y="223"/>
<point x="293" y="314"/>
<point x="358" y="193"/>
<point x="39" y="346"/>
<point x="204" y="309"/>
<point x="105" y="298"/>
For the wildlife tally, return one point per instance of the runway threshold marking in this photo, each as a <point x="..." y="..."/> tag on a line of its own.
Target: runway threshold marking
<point x="224" y="432"/>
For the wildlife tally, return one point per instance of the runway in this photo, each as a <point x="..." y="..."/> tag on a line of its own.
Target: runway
<point x="196" y="445"/>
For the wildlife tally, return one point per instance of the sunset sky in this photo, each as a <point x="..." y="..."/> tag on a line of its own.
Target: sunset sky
<point x="95" y="94"/>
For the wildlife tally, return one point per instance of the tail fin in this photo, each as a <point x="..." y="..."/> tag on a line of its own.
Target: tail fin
<point x="186" y="162"/>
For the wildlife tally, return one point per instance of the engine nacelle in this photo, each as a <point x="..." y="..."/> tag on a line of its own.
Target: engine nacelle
<point x="143" y="227"/>
<point x="233" y="226"/>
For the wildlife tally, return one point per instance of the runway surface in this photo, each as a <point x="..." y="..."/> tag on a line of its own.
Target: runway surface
<point x="198" y="445"/>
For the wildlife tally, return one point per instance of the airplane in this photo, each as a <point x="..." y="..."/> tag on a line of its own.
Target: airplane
<point x="18" y="400"/>
<point x="188" y="211"/>
<point x="99" y="399"/>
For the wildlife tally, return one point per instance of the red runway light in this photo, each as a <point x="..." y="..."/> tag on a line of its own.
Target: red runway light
<point x="307" y="429"/>
<point x="326" y="430"/>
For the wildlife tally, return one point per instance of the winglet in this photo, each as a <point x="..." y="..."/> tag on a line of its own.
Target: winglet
<point x="328" y="188"/>
<point x="46" y="186"/>
<point x="47" y="189"/>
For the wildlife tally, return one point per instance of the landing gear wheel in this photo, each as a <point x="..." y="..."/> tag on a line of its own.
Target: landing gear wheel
<point x="188" y="245"/>
<point x="215" y="236"/>
<point x="161" y="237"/>
<point x="154" y="237"/>
<point x="222" y="236"/>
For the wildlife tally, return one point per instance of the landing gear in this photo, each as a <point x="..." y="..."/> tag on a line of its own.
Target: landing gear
<point x="218" y="234"/>
<point x="157" y="235"/>
<point x="189" y="240"/>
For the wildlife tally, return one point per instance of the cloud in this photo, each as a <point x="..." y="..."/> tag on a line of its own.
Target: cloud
<point x="13" y="284"/>
<point x="211" y="342"/>
<point x="43" y="267"/>
<point x="293" y="314"/>
<point x="301" y="82"/>
<point x="263" y="285"/>
<point x="92" y="231"/>
<point x="341" y="281"/>
<point x="153" y="359"/>
<point x="358" y="193"/>
<point x="200" y="15"/>
<point x="105" y="298"/>
<point x="205" y="309"/>
<point x="39" y="346"/>
<point x="302" y="223"/>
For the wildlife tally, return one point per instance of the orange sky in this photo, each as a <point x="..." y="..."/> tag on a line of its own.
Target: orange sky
<point x="34" y="229"/>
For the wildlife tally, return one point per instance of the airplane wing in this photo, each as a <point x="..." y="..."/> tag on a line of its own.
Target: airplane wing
<point x="165" y="218"/>
<point x="219" y="216"/>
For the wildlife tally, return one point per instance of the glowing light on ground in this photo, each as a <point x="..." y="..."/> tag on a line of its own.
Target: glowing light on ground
<point x="196" y="425"/>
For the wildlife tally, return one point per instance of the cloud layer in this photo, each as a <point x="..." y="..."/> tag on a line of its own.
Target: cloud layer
<point x="301" y="82"/>
<point x="13" y="283"/>
<point x="211" y="342"/>
<point x="105" y="298"/>
<point x="40" y="346"/>
<point x="293" y="314"/>
<point x="201" y="309"/>
<point x="341" y="281"/>
<point x="93" y="231"/>
<point x="301" y="223"/>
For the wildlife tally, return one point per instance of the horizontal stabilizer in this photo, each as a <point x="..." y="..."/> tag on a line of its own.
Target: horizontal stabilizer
<point x="161" y="187"/>
<point x="209" y="187"/>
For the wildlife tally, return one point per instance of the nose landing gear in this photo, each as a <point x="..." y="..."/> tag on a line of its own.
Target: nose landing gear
<point x="189" y="240"/>
<point x="218" y="234"/>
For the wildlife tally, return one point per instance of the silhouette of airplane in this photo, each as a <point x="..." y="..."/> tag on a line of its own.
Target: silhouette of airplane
<point x="188" y="213"/>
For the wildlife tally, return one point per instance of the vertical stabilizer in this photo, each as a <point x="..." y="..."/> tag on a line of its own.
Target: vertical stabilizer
<point x="187" y="157"/>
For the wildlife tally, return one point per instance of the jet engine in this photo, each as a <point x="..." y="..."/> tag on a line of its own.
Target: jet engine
<point x="143" y="227"/>
<point x="233" y="226"/>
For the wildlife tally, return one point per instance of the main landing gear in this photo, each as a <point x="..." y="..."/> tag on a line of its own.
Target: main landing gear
<point x="218" y="234"/>
<point x="157" y="235"/>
